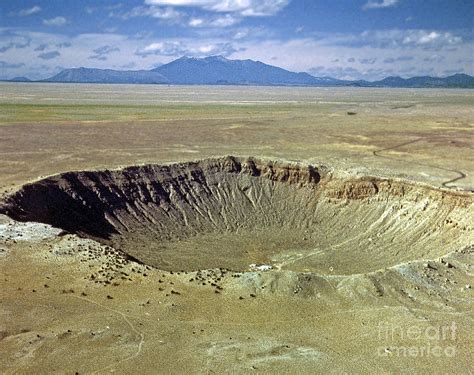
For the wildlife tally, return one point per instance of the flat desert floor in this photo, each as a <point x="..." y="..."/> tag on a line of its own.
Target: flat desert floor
<point x="380" y="280"/>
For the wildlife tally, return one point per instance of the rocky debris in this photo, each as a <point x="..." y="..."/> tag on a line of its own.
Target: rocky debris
<point x="211" y="278"/>
<point x="13" y="231"/>
<point x="260" y="267"/>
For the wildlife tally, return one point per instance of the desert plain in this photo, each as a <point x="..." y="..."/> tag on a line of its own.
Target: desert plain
<point x="190" y="229"/>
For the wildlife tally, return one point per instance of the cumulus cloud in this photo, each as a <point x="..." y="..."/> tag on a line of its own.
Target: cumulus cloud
<point x="26" y="12"/>
<point x="57" y="21"/>
<point x="227" y="20"/>
<point x="6" y="47"/>
<point x="366" y="61"/>
<point x="434" y="58"/>
<point x="373" y="4"/>
<point x="41" y="47"/>
<point x="180" y="48"/>
<point x="6" y="65"/>
<point x="244" y="33"/>
<point x="218" y="22"/>
<point x="247" y="8"/>
<point x="173" y="16"/>
<point x="196" y="22"/>
<point x="424" y="38"/>
<point x="163" y="13"/>
<point x="49" y="55"/>
<point x="162" y="48"/>
<point x="101" y="53"/>
<point x="213" y="13"/>
<point x="64" y="45"/>
<point x="15" y="41"/>
<point x="391" y="60"/>
<point x="350" y="73"/>
<point x="395" y="38"/>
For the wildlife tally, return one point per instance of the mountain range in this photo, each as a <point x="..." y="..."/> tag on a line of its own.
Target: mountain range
<point x="88" y="75"/>
<point x="456" y="80"/>
<point x="217" y="70"/>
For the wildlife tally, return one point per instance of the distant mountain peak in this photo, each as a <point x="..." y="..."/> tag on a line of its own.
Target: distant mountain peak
<point x="461" y="75"/>
<point x="20" y="79"/>
<point x="94" y="75"/>
<point x="217" y="69"/>
<point x="216" y="58"/>
<point x="206" y="59"/>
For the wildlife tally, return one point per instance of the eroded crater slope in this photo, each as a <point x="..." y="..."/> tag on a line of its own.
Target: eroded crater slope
<point x="232" y="212"/>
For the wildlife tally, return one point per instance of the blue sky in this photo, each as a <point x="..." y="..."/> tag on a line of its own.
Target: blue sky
<point x="350" y="39"/>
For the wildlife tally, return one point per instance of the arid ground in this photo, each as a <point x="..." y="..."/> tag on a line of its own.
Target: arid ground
<point x="156" y="229"/>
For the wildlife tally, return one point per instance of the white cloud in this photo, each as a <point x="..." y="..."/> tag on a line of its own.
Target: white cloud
<point x="240" y="34"/>
<point x="179" y="2"/>
<point x="437" y="59"/>
<point x="217" y="22"/>
<point x="366" y="61"/>
<point x="49" y="55"/>
<point x="394" y="38"/>
<point x="373" y="4"/>
<point x="430" y="38"/>
<point x="250" y="8"/>
<point x="178" y="48"/>
<point x="196" y="22"/>
<point x="29" y="11"/>
<point x="164" y="13"/>
<point x="164" y="48"/>
<point x="57" y="21"/>
<point x="101" y="53"/>
<point x="227" y="20"/>
<point x="171" y="15"/>
<point x="423" y="39"/>
<point x="218" y="14"/>
<point x="5" y="65"/>
<point x="398" y="59"/>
